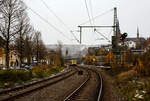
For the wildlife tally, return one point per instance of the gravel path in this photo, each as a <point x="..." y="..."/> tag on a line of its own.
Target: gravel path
<point x="55" y="92"/>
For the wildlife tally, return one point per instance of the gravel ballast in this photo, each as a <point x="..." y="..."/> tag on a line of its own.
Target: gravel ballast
<point x="55" y="92"/>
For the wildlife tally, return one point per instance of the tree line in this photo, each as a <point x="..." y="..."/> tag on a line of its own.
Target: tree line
<point x="18" y="34"/>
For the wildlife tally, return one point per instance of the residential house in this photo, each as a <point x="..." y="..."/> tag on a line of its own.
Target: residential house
<point x="13" y="57"/>
<point x="136" y="42"/>
<point x="147" y="44"/>
<point x="2" y="56"/>
<point x="53" y="58"/>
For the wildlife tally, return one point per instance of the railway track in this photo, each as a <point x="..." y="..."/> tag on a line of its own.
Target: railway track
<point x="12" y="93"/>
<point x="84" y="92"/>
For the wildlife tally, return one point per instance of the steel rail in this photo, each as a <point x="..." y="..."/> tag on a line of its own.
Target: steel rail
<point x="78" y="89"/>
<point x="99" y="98"/>
<point x="100" y="87"/>
<point x="32" y="83"/>
<point x="37" y="88"/>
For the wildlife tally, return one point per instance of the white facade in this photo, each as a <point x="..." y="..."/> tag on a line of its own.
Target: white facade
<point x="130" y="44"/>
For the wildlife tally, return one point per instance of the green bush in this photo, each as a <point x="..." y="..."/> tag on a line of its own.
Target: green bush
<point x="14" y="75"/>
<point x="40" y="73"/>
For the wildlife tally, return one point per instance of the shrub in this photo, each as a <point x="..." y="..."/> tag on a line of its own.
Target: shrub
<point x="39" y="71"/>
<point x="43" y="71"/>
<point x="14" y="75"/>
<point x="91" y="60"/>
<point x="126" y="76"/>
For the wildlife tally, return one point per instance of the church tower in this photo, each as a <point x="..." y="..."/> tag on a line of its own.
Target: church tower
<point x="138" y="43"/>
<point x="138" y="32"/>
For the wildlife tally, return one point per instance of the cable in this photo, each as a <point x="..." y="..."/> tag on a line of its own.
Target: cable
<point x="51" y="11"/>
<point x="90" y="20"/>
<point x="102" y="35"/>
<point x="88" y="12"/>
<point x="91" y="8"/>
<point x="49" y="24"/>
<point x="110" y="32"/>
<point x="102" y="14"/>
<point x="59" y="19"/>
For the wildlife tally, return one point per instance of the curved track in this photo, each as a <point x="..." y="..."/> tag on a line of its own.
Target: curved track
<point x="89" y="90"/>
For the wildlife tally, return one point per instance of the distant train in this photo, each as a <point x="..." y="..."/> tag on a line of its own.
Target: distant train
<point x="73" y="63"/>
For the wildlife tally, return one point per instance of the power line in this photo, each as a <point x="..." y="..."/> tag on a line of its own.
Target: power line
<point x="91" y="8"/>
<point x="88" y="12"/>
<point x="59" y="19"/>
<point x="90" y="20"/>
<point x="102" y="14"/>
<point x="49" y="23"/>
<point x="110" y="32"/>
<point x="51" y="11"/>
<point x="102" y="35"/>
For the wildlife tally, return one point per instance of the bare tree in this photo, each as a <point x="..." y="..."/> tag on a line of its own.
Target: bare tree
<point x="24" y="30"/>
<point x="59" y="52"/>
<point x="9" y="10"/>
<point x="37" y="39"/>
<point x="29" y="48"/>
<point x="42" y="51"/>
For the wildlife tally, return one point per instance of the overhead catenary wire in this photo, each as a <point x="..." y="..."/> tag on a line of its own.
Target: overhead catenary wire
<point x="110" y="32"/>
<point x="46" y="21"/>
<point x="91" y="9"/>
<point x="59" y="19"/>
<point x="100" y="15"/>
<point x="51" y="11"/>
<point x="88" y="12"/>
<point x="102" y="35"/>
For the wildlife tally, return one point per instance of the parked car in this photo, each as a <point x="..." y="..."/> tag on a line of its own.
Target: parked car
<point x="4" y="68"/>
<point x="27" y="67"/>
<point x="23" y="69"/>
<point x="12" y="67"/>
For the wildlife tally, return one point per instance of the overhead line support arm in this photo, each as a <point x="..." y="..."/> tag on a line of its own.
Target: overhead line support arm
<point x="92" y="27"/>
<point x="96" y="26"/>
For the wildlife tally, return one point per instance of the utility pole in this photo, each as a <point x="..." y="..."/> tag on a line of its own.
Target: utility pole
<point x="115" y="21"/>
<point x="80" y="34"/>
<point x="115" y="30"/>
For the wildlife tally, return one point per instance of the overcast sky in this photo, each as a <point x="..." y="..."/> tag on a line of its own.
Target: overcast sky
<point x="131" y="13"/>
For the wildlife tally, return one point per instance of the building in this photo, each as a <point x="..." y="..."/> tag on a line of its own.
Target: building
<point x="2" y="56"/>
<point x="13" y="57"/>
<point x="147" y="44"/>
<point x="137" y="43"/>
<point x="131" y="44"/>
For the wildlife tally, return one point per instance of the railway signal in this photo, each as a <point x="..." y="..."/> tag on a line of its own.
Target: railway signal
<point x="123" y="36"/>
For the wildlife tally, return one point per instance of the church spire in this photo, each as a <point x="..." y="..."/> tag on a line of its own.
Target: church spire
<point x="137" y="32"/>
